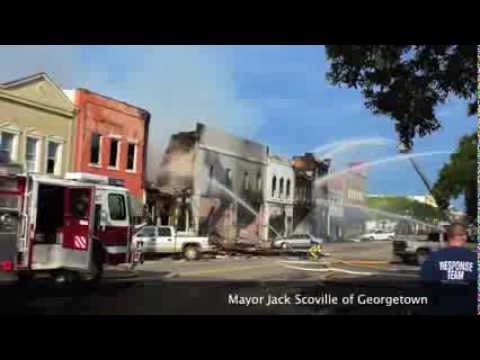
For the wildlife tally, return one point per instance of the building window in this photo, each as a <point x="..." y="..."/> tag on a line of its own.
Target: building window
<point x="31" y="154"/>
<point x="131" y="156"/>
<point x="274" y="186"/>
<point x="54" y="158"/>
<point x="116" y="205"/>
<point x="259" y="182"/>
<point x="229" y="176"/>
<point x="95" y="149"/>
<point x="210" y="173"/>
<point x="281" y="188"/>
<point x="8" y="145"/>
<point x="288" y="188"/>
<point x="245" y="181"/>
<point x="113" y="160"/>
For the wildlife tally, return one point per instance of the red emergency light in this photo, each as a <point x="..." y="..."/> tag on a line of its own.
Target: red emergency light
<point x="116" y="182"/>
<point x="6" y="265"/>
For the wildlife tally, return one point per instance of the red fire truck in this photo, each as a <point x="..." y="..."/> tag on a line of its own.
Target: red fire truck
<point x="67" y="227"/>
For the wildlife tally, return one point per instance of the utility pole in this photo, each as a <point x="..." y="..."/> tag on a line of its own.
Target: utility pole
<point x="423" y="177"/>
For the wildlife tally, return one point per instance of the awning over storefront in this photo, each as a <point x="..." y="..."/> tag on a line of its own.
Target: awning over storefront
<point x="169" y="190"/>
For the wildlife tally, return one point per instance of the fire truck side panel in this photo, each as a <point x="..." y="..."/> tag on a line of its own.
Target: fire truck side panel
<point x="76" y="230"/>
<point x="61" y="225"/>
<point x="114" y="225"/>
<point x="115" y="239"/>
<point x="55" y="256"/>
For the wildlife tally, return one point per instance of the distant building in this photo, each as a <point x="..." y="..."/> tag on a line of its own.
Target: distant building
<point x="37" y="125"/>
<point x="213" y="183"/>
<point x="347" y="213"/>
<point x="336" y="190"/>
<point x="355" y="201"/>
<point x="382" y="224"/>
<point x="424" y="199"/>
<point x="406" y="222"/>
<point x="456" y="215"/>
<point x="111" y="140"/>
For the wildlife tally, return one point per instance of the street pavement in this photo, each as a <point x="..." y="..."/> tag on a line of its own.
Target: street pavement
<point x="175" y="286"/>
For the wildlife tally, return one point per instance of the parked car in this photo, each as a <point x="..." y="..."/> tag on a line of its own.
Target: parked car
<point x="296" y="241"/>
<point x="378" y="235"/>
<point x="165" y="240"/>
<point x="136" y="228"/>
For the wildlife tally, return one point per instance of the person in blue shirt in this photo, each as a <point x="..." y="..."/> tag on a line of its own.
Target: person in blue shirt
<point x="454" y="264"/>
<point x="452" y="273"/>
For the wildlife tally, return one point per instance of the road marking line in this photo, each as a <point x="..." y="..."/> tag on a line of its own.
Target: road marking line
<point x="332" y="269"/>
<point x="305" y="262"/>
<point x="328" y="270"/>
<point x="213" y="271"/>
<point x="367" y="262"/>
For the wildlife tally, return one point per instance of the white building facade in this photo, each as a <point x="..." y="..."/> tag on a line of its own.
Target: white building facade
<point x="279" y="196"/>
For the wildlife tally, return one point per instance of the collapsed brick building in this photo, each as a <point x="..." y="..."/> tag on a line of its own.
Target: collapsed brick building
<point x="211" y="183"/>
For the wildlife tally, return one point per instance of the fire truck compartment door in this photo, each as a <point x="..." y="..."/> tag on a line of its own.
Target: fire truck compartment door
<point x="72" y="247"/>
<point x="8" y="238"/>
<point x="10" y="203"/>
<point x="78" y="226"/>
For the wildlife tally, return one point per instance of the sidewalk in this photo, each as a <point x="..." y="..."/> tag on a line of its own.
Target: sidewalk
<point x="6" y="278"/>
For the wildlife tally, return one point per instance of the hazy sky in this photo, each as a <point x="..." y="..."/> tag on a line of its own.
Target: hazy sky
<point x="276" y="95"/>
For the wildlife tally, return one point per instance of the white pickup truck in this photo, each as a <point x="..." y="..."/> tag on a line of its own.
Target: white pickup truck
<point x="165" y="240"/>
<point x="378" y="235"/>
<point x="417" y="248"/>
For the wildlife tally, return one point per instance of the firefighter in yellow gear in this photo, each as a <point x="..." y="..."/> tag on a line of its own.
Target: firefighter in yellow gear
<point x="315" y="251"/>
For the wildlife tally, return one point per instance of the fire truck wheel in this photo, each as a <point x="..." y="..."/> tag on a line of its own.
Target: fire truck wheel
<point x="97" y="267"/>
<point x="65" y="277"/>
<point x="191" y="252"/>
<point x="24" y="277"/>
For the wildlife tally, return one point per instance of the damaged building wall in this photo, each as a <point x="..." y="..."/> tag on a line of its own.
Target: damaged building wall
<point x="201" y="174"/>
<point x="311" y="207"/>
<point x="226" y="165"/>
<point x="170" y="198"/>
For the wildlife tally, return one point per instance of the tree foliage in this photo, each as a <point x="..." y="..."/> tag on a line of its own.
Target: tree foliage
<point x="406" y="83"/>
<point x="459" y="176"/>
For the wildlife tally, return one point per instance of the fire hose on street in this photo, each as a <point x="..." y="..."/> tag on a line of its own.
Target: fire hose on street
<point x="327" y="267"/>
<point x="315" y="253"/>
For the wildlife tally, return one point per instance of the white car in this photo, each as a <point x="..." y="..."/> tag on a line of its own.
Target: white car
<point x="139" y="226"/>
<point x="165" y="240"/>
<point x="296" y="241"/>
<point x="378" y="235"/>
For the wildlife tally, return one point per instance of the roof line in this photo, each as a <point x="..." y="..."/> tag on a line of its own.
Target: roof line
<point x="111" y="98"/>
<point x="23" y="80"/>
<point x="36" y="76"/>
